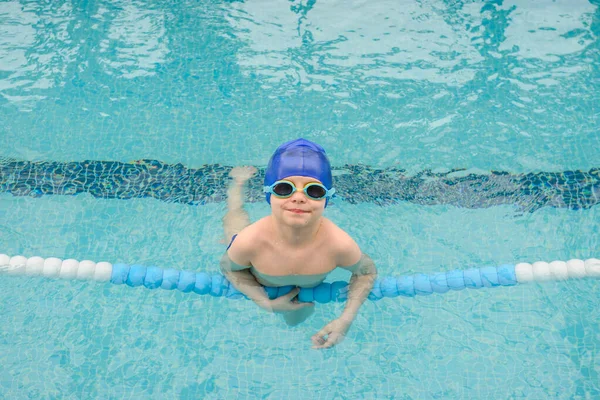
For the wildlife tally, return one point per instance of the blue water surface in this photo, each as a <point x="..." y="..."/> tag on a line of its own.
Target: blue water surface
<point x="509" y="86"/>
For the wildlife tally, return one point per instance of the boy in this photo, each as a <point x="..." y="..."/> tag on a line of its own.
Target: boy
<point x="295" y="245"/>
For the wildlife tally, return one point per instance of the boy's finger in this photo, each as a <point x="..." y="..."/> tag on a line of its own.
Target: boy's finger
<point x="317" y="340"/>
<point x="319" y="343"/>
<point x="293" y="293"/>
<point x="319" y="337"/>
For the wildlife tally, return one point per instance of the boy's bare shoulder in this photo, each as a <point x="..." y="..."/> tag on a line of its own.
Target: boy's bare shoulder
<point x="347" y="251"/>
<point x="252" y="234"/>
<point x="334" y="233"/>
<point x="247" y="244"/>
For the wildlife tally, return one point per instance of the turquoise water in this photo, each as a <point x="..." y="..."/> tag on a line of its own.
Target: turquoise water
<point x="431" y="85"/>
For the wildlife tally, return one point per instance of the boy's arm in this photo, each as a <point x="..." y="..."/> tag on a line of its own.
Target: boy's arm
<point x="363" y="277"/>
<point x="238" y="273"/>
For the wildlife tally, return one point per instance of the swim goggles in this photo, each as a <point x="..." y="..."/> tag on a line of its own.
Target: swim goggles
<point x="285" y="189"/>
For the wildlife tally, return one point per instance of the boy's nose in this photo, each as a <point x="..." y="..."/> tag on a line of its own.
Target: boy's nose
<point x="299" y="196"/>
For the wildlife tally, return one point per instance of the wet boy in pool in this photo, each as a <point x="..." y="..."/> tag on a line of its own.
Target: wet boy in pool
<point x="295" y="245"/>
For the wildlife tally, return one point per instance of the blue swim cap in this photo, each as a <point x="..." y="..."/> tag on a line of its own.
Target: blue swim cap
<point x="299" y="157"/>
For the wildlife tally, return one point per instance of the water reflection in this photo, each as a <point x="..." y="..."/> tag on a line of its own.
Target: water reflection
<point x="315" y="44"/>
<point x="135" y="39"/>
<point x="472" y="84"/>
<point x="43" y="45"/>
<point x="359" y="41"/>
<point x="547" y="30"/>
<point x="325" y="43"/>
<point x="35" y="49"/>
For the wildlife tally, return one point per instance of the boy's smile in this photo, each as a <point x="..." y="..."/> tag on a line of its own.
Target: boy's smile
<point x="298" y="211"/>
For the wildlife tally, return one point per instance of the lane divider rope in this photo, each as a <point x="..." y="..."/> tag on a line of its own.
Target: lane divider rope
<point x="217" y="285"/>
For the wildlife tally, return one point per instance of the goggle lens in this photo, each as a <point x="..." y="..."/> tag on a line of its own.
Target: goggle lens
<point x="315" y="191"/>
<point x="283" y="189"/>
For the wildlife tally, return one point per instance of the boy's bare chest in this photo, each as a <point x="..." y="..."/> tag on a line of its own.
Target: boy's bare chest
<point x="279" y="261"/>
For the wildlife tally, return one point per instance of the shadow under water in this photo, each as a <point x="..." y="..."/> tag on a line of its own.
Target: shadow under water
<point x="176" y="183"/>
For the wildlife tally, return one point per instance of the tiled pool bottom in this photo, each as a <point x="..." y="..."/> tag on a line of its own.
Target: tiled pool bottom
<point x="88" y="341"/>
<point x="191" y="88"/>
<point x="77" y="339"/>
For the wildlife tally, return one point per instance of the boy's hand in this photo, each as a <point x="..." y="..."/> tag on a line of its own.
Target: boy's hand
<point x="285" y="303"/>
<point x="242" y="174"/>
<point x="335" y="332"/>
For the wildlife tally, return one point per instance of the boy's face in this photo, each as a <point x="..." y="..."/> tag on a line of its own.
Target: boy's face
<point x="298" y="209"/>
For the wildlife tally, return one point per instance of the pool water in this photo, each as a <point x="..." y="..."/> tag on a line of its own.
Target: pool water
<point x="462" y="134"/>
